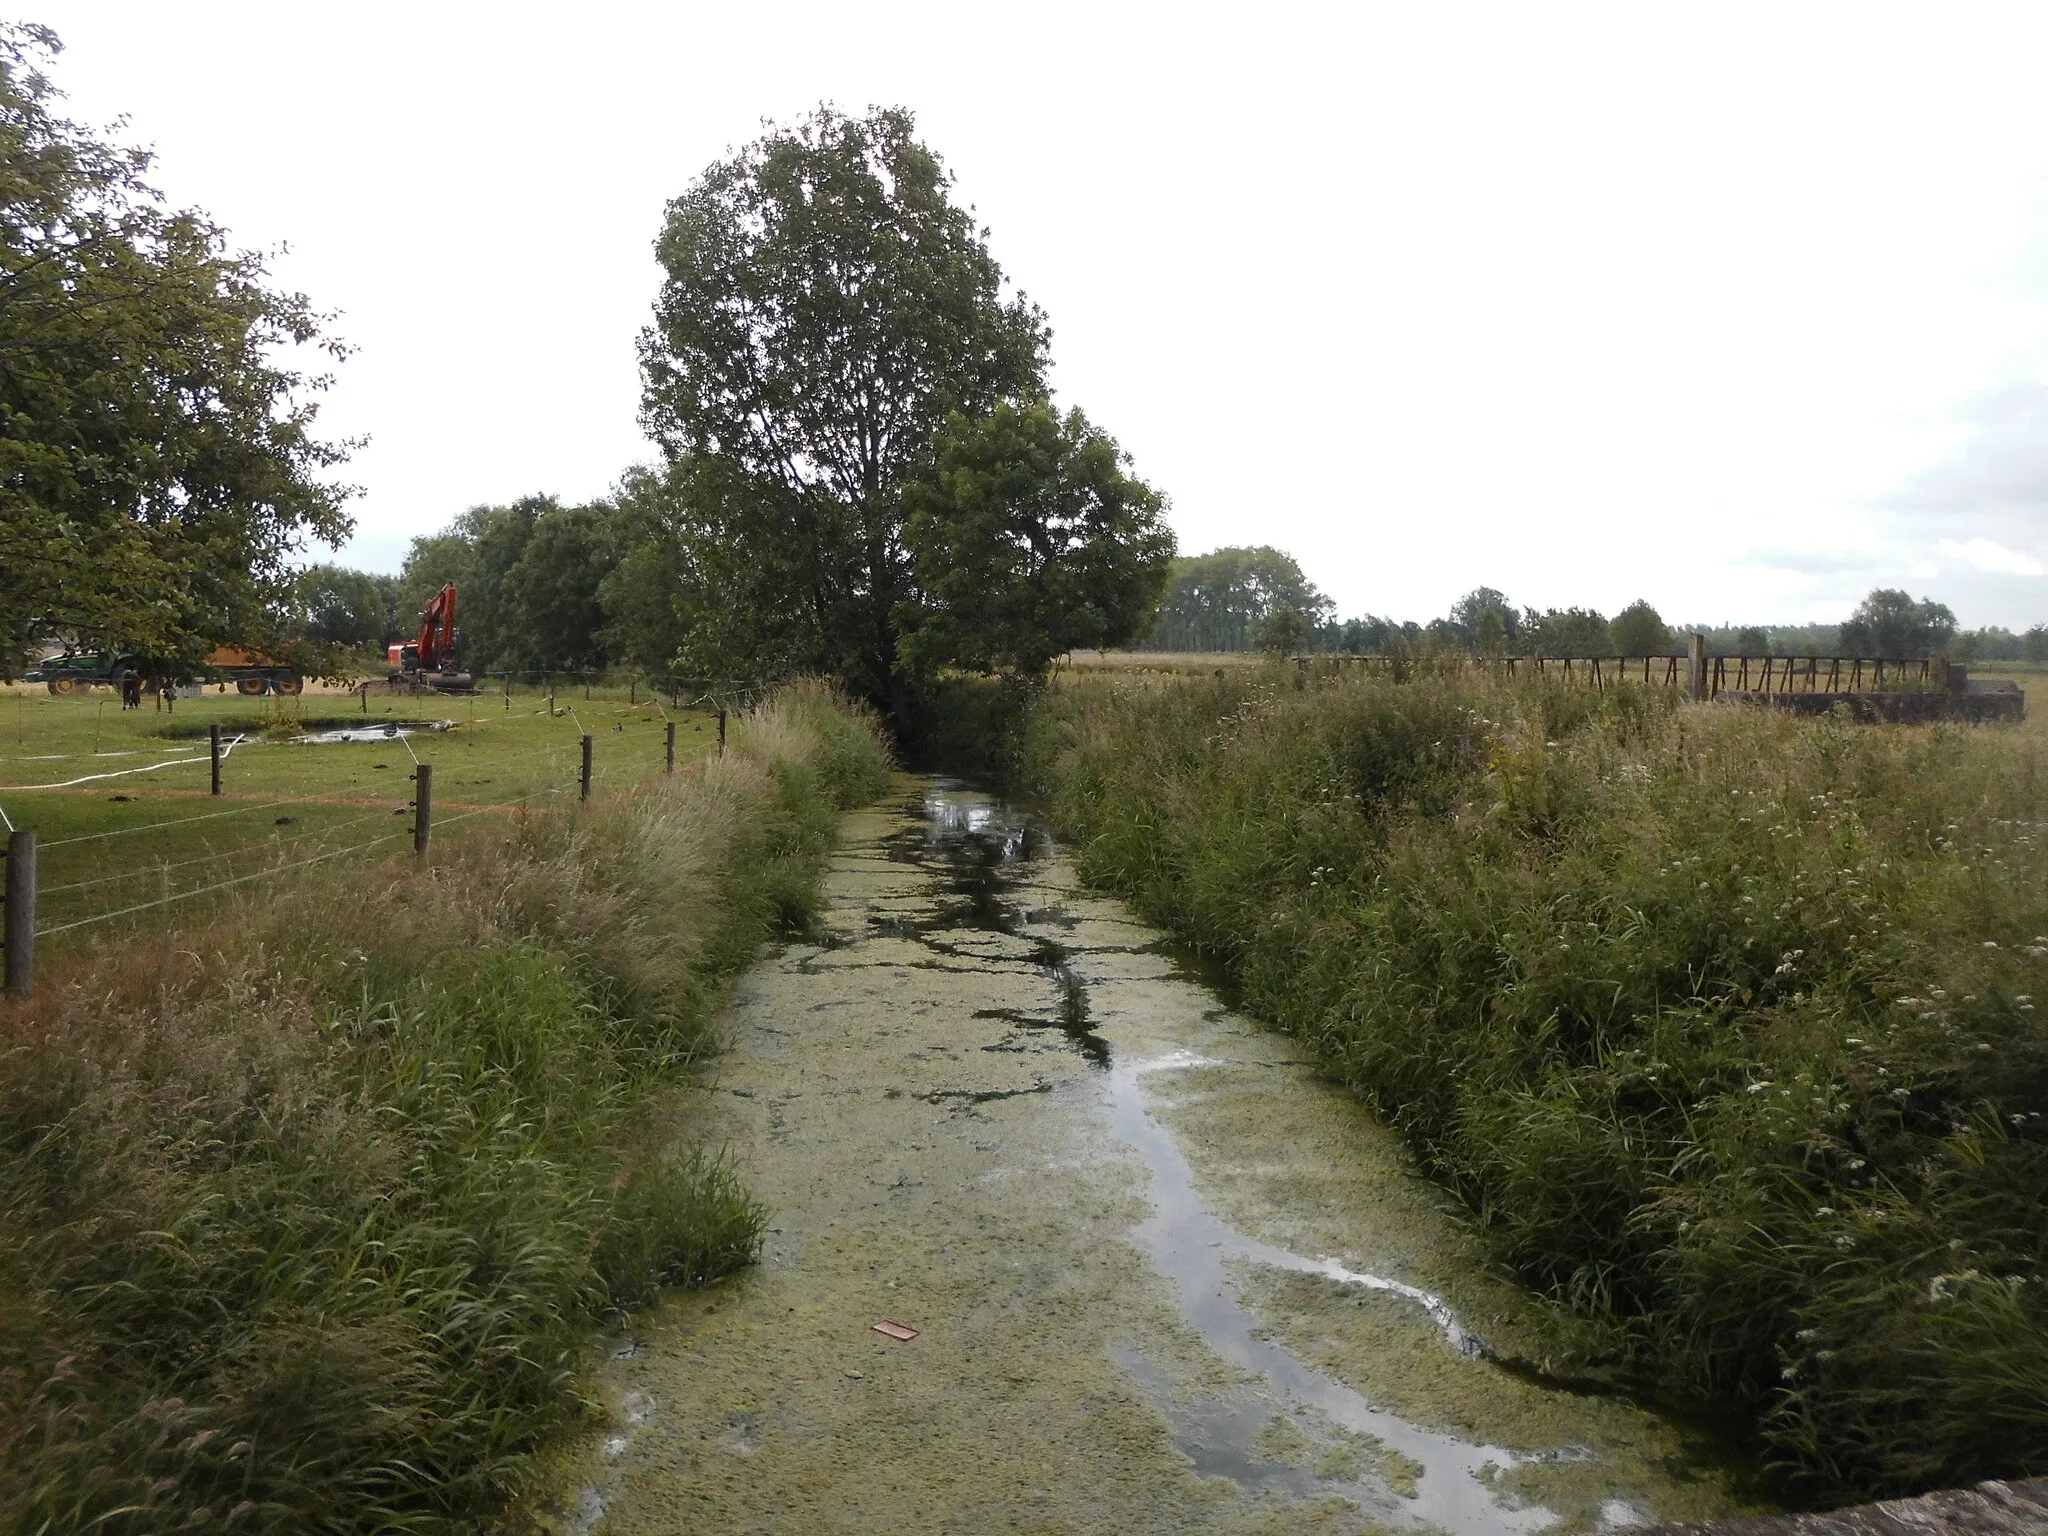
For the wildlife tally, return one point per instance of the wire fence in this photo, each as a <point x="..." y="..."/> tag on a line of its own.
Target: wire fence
<point x="551" y="779"/>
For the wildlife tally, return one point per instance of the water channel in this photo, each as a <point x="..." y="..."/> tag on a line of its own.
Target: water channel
<point x="1162" y="1278"/>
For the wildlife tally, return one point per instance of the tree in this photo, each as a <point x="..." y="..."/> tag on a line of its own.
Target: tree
<point x="1638" y="630"/>
<point x="1029" y="540"/>
<point x="649" y="596"/>
<point x="1752" y="641"/>
<point x="350" y="610"/>
<point x="1566" y="632"/>
<point x="825" y="309"/>
<point x="1889" y="623"/>
<point x="556" y="621"/>
<point x="1468" y="614"/>
<point x="1215" y="602"/>
<point x="158" y="466"/>
<point x="2034" y="643"/>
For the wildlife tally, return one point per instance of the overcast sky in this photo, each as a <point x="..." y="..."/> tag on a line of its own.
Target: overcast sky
<point x="1743" y="309"/>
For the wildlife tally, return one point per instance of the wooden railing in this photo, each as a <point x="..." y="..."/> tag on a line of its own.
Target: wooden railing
<point x="1705" y="676"/>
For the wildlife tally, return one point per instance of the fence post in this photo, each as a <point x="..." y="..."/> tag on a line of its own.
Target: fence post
<point x="422" y="807"/>
<point x="21" y="913"/>
<point x="213" y="746"/>
<point x="1696" y="673"/>
<point x="671" y="768"/>
<point x="721" y="733"/>
<point x="585" y="795"/>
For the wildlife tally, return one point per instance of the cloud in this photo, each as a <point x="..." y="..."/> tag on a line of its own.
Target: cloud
<point x="1985" y="555"/>
<point x="2000" y="473"/>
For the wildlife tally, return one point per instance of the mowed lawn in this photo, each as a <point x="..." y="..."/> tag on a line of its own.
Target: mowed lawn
<point x="121" y="800"/>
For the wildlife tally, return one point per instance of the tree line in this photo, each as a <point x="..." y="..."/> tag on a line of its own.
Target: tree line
<point x="1258" y="598"/>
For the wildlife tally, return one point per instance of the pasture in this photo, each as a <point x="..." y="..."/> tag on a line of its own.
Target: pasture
<point x="129" y="829"/>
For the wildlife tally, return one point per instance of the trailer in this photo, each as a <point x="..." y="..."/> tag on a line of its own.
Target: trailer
<point x="252" y="672"/>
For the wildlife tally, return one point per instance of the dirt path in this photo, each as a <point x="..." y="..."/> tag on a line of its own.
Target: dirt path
<point x="1163" y="1280"/>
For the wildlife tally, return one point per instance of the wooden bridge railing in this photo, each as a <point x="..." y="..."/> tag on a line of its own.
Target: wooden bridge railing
<point x="1706" y="676"/>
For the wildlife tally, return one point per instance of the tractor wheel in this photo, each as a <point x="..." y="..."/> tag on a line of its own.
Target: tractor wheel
<point x="63" y="687"/>
<point x="288" y="686"/>
<point x="250" y="687"/>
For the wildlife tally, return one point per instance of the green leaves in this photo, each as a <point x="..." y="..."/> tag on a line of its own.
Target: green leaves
<point x="1029" y="540"/>
<point x="826" y="308"/>
<point x="157" y="461"/>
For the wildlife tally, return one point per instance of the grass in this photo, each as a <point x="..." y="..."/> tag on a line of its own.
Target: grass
<point x="285" y="799"/>
<point x="311" y="1203"/>
<point x="1723" y="1023"/>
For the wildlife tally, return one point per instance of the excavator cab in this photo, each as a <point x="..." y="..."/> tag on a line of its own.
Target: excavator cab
<point x="433" y="660"/>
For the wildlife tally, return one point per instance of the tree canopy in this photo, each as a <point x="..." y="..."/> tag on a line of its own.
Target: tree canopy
<point x="158" y="465"/>
<point x="1217" y="601"/>
<point x="1029" y="540"/>
<point x="825" y="310"/>
<point x="1889" y="623"/>
<point x="1639" y="630"/>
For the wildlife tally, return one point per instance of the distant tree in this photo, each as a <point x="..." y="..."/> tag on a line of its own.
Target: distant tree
<point x="353" y="610"/>
<point x="1469" y="612"/>
<point x="550" y="594"/>
<point x="1215" y="601"/>
<point x="158" y="465"/>
<point x="2034" y="643"/>
<point x="1372" y="635"/>
<point x="1566" y="632"/>
<point x="1490" y="633"/>
<point x="1283" y="632"/>
<point x="1029" y="540"/>
<point x="1751" y="641"/>
<point x="1890" y="623"/>
<point x="825" y="308"/>
<point x="651" y="594"/>
<point x="1638" y="630"/>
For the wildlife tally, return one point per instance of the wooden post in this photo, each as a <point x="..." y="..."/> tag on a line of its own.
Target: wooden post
<point x="21" y="914"/>
<point x="213" y="746"/>
<point x="671" y="768"/>
<point x="1696" y="673"/>
<point x="366" y="695"/>
<point x="423" y="807"/>
<point x="586" y="769"/>
<point x="721" y="733"/>
<point x="633" y="691"/>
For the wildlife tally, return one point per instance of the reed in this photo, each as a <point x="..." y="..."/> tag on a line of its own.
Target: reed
<point x="309" y="1210"/>
<point x="1723" y="1023"/>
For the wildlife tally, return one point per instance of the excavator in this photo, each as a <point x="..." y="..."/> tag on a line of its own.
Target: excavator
<point x="429" y="664"/>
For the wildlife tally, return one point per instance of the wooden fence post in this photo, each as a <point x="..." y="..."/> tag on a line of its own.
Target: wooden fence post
<point x="1696" y="673"/>
<point x="422" y="807"/>
<point x="21" y="913"/>
<point x="671" y="768"/>
<point x="213" y="746"/>
<point x="585" y="795"/>
<point x="721" y="733"/>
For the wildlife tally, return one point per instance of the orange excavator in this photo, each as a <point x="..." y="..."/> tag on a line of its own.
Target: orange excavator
<point x="429" y="663"/>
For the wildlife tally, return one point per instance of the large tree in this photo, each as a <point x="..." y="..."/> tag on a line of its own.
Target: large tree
<point x="1217" y="601"/>
<point x="158" y="465"/>
<point x="1029" y="540"/>
<point x="1889" y="623"/>
<point x="826" y="307"/>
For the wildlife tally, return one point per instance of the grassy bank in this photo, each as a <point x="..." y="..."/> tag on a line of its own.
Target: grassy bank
<point x="310" y="1207"/>
<point x="1723" y="1023"/>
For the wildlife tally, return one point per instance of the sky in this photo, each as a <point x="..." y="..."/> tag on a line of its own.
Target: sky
<point x="1740" y="308"/>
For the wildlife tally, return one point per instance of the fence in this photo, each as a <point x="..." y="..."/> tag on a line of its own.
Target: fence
<point x="1704" y="676"/>
<point x="24" y="848"/>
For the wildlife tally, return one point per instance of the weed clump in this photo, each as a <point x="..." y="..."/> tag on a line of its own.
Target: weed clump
<point x="1724" y="1024"/>
<point x="308" y="1211"/>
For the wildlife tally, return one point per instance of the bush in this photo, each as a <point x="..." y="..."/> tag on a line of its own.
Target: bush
<point x="310" y="1210"/>
<point x="1722" y="1022"/>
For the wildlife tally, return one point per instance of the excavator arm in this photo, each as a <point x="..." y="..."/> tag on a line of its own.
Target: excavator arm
<point x="437" y="630"/>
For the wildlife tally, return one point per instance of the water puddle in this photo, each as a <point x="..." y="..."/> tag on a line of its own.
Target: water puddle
<point x="1163" y="1279"/>
<point x="380" y="730"/>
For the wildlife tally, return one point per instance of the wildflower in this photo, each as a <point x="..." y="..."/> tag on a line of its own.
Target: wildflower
<point x="1758" y="1087"/>
<point x="1990" y="944"/>
<point x="1825" y="1210"/>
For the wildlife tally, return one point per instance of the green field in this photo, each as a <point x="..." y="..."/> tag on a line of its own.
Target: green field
<point x="122" y="805"/>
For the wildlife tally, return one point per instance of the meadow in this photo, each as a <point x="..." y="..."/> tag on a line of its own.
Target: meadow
<point x="1723" y="1024"/>
<point x="134" y="820"/>
<point x="316" y="1193"/>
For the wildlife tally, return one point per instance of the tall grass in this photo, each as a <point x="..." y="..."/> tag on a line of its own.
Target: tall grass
<point x="1724" y="1023"/>
<point x="308" y="1210"/>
